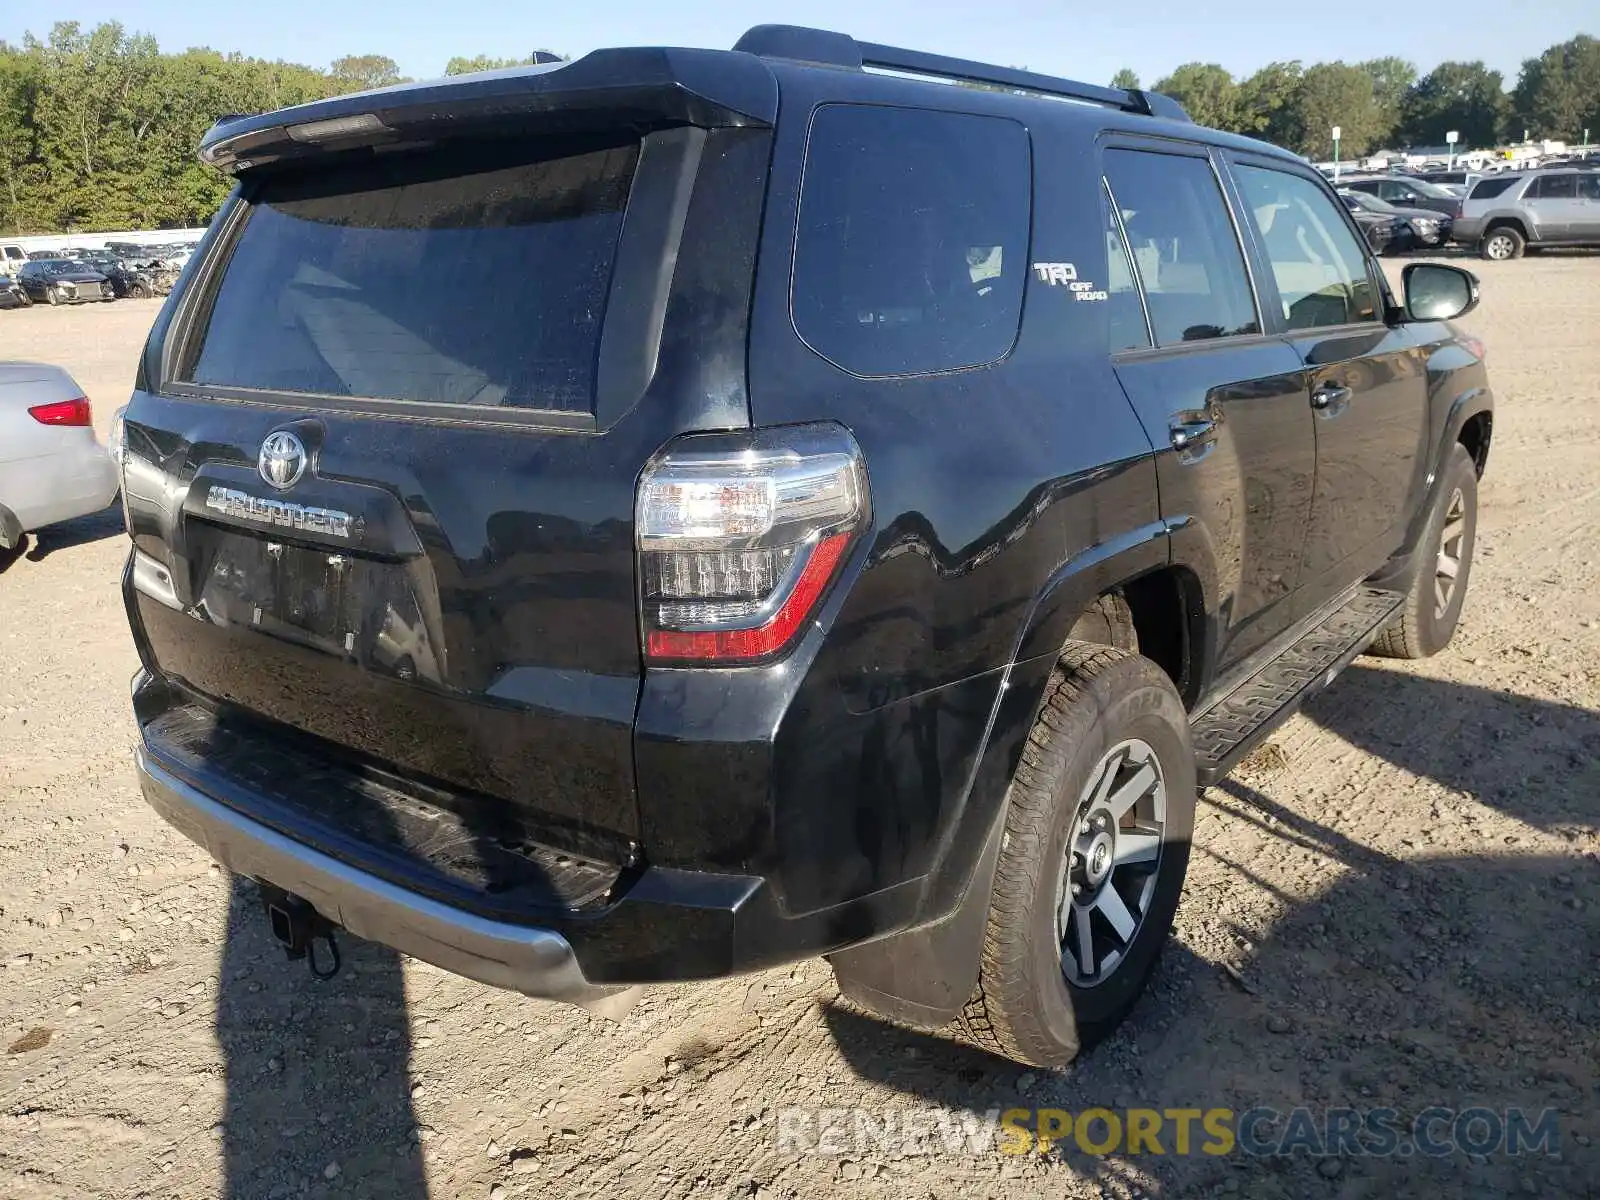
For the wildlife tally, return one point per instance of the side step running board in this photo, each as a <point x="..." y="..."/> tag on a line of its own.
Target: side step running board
<point x="1238" y="723"/>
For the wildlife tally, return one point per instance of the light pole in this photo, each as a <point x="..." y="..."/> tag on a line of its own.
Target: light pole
<point x="1336" y="132"/>
<point x="1451" y="139"/>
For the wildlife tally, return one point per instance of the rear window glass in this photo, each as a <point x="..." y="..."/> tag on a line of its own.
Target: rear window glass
<point x="474" y="276"/>
<point x="1486" y="189"/>
<point x="911" y="251"/>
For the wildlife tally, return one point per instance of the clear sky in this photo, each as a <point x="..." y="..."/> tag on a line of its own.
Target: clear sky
<point x="1087" y="41"/>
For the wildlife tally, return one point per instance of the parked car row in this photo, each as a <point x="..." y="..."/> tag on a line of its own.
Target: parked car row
<point x="1391" y="229"/>
<point x="118" y="271"/>
<point x="139" y="275"/>
<point x="1500" y="216"/>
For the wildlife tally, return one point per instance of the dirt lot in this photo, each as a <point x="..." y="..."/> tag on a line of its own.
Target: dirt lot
<point x="1399" y="906"/>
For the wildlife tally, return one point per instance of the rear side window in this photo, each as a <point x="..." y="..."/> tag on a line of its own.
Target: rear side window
<point x="1488" y="189"/>
<point x="1554" y="187"/>
<point x="472" y="276"/>
<point x="911" y="251"/>
<point x="1185" y="252"/>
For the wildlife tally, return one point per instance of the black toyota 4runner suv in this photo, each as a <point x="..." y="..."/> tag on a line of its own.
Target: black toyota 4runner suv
<point x="680" y="511"/>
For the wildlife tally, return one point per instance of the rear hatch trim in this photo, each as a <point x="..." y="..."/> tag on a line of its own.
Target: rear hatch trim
<point x="649" y="87"/>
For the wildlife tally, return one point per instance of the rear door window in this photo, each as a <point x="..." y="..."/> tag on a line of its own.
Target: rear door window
<point x="911" y="251"/>
<point x="1554" y="187"/>
<point x="1125" y="322"/>
<point x="474" y="276"/>
<point x="1185" y="252"/>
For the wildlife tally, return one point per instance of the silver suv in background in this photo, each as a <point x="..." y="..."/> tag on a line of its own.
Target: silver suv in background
<point x="1505" y="214"/>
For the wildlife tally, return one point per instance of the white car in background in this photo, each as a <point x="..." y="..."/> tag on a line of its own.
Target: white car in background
<point x="52" y="468"/>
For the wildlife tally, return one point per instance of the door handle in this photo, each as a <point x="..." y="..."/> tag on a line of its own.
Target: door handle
<point x="1189" y="431"/>
<point x="1330" y="397"/>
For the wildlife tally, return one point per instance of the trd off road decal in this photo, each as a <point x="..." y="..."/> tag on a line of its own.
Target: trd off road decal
<point x="1066" y="275"/>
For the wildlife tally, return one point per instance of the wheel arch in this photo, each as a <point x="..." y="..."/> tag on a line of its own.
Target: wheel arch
<point x="1468" y="422"/>
<point x="924" y="975"/>
<point x="1474" y="434"/>
<point x="1505" y="220"/>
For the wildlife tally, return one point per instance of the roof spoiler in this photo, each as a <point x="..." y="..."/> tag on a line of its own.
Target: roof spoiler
<point x="800" y="44"/>
<point x="602" y="90"/>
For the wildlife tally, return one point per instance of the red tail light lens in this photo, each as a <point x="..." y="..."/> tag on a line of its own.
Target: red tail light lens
<point x="64" y="412"/>
<point x="740" y="536"/>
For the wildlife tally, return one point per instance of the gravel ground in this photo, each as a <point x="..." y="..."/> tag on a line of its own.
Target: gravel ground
<point x="1394" y="904"/>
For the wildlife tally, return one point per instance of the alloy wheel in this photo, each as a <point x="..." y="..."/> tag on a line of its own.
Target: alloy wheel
<point x="1451" y="544"/>
<point x="1112" y="862"/>
<point x="1498" y="247"/>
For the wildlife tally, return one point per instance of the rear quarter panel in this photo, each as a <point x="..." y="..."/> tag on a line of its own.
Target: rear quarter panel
<point x="984" y="483"/>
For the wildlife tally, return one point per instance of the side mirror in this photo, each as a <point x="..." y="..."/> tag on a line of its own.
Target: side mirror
<point x="1435" y="292"/>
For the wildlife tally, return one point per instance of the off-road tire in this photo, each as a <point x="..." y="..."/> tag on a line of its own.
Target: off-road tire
<point x="1023" y="1007"/>
<point x="1516" y="244"/>
<point x="53" y="296"/>
<point x="138" y="291"/>
<point x="1420" y="629"/>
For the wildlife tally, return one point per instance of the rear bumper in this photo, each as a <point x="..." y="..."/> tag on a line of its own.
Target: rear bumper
<point x="535" y="962"/>
<point x="659" y="924"/>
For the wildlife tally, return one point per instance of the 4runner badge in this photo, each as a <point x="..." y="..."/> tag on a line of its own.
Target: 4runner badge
<point x="329" y="522"/>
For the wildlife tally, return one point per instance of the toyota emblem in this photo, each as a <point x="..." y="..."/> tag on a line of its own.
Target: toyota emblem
<point x="283" y="459"/>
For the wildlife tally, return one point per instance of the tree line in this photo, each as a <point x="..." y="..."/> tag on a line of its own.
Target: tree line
<point x="98" y="128"/>
<point x="1385" y="104"/>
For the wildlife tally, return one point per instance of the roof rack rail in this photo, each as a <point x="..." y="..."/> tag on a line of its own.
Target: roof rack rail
<point x="841" y="50"/>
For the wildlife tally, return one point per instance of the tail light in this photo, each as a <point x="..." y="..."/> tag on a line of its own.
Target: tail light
<point x="117" y="439"/>
<point x="740" y="536"/>
<point x="64" y="412"/>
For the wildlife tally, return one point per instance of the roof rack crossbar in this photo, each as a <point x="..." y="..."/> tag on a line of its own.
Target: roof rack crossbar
<point x="840" y="50"/>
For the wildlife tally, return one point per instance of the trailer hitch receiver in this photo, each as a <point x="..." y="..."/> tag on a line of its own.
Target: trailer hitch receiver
<point x="299" y="927"/>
